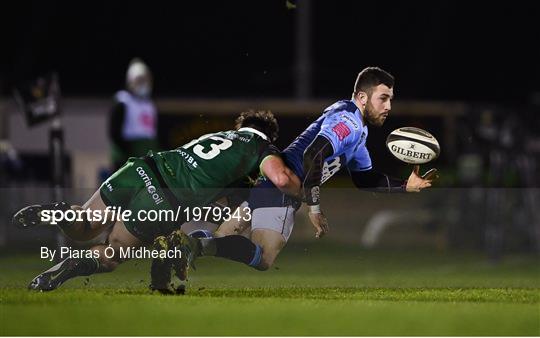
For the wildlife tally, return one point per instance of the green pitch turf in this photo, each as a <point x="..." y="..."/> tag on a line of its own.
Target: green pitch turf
<point x="315" y="289"/>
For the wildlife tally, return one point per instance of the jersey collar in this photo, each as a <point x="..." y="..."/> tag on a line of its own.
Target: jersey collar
<point x="359" y="112"/>
<point x="254" y="131"/>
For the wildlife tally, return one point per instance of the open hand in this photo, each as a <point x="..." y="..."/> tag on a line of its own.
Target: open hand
<point x="320" y="223"/>
<point x="415" y="183"/>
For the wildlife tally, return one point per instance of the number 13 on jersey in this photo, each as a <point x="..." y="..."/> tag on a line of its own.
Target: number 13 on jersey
<point x="216" y="147"/>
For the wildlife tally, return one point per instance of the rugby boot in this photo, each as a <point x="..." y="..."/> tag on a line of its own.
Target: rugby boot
<point x="30" y="216"/>
<point x="160" y="271"/>
<point x="190" y="248"/>
<point x="61" y="272"/>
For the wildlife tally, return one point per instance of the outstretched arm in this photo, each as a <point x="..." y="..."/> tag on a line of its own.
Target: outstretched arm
<point x="376" y="181"/>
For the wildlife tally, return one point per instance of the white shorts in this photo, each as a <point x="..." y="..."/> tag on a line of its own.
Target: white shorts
<point x="279" y="219"/>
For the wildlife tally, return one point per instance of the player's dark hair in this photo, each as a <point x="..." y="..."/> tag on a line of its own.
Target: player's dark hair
<point x="371" y="77"/>
<point x="262" y="120"/>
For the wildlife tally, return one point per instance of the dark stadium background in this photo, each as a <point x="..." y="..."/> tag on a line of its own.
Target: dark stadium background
<point x="442" y="50"/>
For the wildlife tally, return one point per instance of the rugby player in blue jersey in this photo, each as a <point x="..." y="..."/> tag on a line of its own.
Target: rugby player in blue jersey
<point x="335" y="140"/>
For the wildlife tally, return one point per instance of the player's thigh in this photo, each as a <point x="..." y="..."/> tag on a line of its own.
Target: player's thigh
<point x="96" y="203"/>
<point x="271" y="209"/>
<point x="278" y="219"/>
<point x="239" y="224"/>
<point x="133" y="188"/>
<point x="120" y="237"/>
<point x="233" y="227"/>
<point x="116" y="191"/>
<point x="110" y="254"/>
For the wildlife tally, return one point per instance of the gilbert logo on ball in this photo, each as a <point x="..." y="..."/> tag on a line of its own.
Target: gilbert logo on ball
<point x="413" y="145"/>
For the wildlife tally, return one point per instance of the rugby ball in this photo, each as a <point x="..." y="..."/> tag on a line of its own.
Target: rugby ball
<point x="413" y="145"/>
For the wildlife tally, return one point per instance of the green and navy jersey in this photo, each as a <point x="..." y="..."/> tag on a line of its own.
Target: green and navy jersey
<point x="199" y="171"/>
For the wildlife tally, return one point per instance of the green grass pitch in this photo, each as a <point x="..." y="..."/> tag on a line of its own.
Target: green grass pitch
<point x="314" y="289"/>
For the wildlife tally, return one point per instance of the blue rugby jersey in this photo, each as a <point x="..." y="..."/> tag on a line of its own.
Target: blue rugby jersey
<point x="341" y="124"/>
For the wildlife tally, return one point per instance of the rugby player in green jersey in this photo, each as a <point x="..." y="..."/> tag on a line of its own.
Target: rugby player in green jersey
<point x="193" y="175"/>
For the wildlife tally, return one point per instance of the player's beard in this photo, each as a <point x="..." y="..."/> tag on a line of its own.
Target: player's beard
<point x="371" y="117"/>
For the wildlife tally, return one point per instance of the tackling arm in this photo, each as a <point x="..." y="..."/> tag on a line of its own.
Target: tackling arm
<point x="273" y="168"/>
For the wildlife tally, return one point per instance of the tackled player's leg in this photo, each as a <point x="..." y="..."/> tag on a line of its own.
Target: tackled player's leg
<point x="272" y="221"/>
<point x="271" y="226"/>
<point x="271" y="229"/>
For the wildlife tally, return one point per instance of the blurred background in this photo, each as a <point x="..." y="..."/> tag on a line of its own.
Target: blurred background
<point x="466" y="72"/>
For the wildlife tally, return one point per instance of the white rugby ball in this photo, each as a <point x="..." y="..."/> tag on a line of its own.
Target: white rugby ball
<point x="413" y="145"/>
